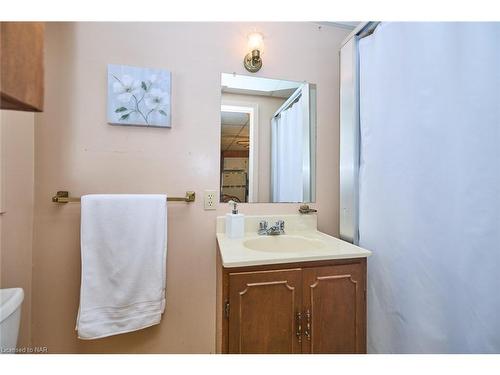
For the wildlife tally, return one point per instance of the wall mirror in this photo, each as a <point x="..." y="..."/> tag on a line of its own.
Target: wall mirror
<point x="268" y="140"/>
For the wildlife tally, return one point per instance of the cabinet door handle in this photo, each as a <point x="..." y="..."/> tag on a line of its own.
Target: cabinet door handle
<point x="299" y="327"/>
<point x="307" y="333"/>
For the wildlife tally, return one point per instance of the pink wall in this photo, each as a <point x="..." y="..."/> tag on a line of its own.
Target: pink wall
<point x="16" y="223"/>
<point x="77" y="150"/>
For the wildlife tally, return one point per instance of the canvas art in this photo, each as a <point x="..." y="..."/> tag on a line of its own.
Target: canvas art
<point x="139" y="96"/>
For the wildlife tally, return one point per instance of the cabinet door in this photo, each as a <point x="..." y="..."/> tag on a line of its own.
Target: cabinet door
<point x="263" y="308"/>
<point x="334" y="309"/>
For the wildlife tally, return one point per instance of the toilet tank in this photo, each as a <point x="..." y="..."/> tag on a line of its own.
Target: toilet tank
<point x="10" y="318"/>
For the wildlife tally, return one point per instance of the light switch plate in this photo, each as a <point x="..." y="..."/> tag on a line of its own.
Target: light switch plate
<point x="210" y="199"/>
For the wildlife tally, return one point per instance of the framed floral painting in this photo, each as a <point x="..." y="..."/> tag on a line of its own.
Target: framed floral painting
<point x="139" y="96"/>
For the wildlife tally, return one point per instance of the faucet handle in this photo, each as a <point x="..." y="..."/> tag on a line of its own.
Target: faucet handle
<point x="281" y="225"/>
<point x="262" y="227"/>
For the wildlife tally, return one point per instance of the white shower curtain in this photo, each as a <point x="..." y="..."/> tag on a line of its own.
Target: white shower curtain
<point x="287" y="154"/>
<point x="430" y="186"/>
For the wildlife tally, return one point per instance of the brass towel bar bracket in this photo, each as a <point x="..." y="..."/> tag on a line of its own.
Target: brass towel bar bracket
<point x="63" y="197"/>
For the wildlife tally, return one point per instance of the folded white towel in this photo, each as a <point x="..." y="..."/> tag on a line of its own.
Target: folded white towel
<point x="123" y="246"/>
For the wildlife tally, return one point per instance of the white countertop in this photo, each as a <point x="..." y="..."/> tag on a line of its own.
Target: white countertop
<point x="235" y="254"/>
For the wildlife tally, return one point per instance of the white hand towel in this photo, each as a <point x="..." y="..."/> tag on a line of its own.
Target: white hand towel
<point x="123" y="246"/>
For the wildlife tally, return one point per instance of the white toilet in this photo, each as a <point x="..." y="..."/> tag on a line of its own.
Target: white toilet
<point x="10" y="317"/>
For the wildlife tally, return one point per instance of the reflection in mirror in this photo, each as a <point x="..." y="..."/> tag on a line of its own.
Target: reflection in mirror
<point x="268" y="140"/>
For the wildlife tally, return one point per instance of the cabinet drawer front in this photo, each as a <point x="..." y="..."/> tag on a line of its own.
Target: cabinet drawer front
<point x="334" y="299"/>
<point x="263" y="309"/>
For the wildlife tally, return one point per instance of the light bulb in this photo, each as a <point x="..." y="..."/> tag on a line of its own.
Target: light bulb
<point x="255" y="42"/>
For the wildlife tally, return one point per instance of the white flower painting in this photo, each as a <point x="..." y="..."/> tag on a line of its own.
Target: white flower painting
<point x="138" y="96"/>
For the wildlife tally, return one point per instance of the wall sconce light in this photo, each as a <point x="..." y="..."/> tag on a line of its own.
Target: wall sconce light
<point x="253" y="61"/>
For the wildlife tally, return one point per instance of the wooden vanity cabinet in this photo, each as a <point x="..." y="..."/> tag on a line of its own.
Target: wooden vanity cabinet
<point x="22" y="66"/>
<point x="307" y="307"/>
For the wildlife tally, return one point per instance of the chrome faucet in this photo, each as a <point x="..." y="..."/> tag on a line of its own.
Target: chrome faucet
<point x="275" y="230"/>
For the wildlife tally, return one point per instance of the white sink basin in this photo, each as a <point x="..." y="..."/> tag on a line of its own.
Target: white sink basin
<point x="301" y="243"/>
<point x="283" y="244"/>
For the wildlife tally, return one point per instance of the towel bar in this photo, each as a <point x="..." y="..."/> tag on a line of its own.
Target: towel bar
<point x="63" y="197"/>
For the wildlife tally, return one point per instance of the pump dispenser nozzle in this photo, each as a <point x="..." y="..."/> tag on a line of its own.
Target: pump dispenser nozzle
<point x="234" y="208"/>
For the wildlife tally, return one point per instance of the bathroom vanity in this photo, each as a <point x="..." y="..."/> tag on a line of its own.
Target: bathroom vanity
<point x="299" y="292"/>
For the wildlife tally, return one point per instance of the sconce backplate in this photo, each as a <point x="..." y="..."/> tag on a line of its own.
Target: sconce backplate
<point x="251" y="64"/>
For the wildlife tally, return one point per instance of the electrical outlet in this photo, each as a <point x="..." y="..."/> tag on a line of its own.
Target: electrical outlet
<point x="210" y="199"/>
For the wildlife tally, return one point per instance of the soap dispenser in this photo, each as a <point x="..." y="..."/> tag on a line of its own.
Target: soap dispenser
<point x="235" y="222"/>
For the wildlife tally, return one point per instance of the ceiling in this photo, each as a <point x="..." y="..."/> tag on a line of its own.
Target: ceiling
<point x="349" y="25"/>
<point x="234" y="133"/>
<point x="241" y="84"/>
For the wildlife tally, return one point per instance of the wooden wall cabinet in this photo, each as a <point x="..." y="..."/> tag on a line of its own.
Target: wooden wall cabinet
<point x="310" y="307"/>
<point x="22" y="66"/>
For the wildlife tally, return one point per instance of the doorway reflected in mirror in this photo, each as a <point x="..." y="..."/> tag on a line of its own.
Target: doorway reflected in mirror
<point x="235" y="145"/>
